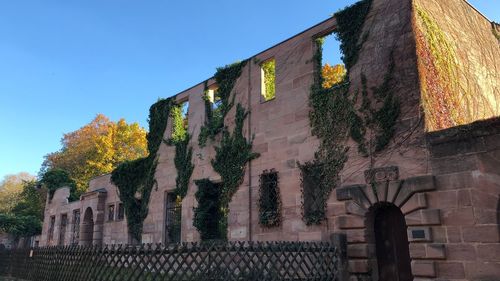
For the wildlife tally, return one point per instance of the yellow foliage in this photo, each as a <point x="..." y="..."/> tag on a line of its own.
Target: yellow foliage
<point x="333" y="75"/>
<point x="97" y="148"/>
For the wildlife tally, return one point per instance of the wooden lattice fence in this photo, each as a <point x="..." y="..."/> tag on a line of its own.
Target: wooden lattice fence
<point x="185" y="261"/>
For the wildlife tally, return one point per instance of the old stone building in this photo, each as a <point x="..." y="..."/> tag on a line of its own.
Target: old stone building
<point x="423" y="205"/>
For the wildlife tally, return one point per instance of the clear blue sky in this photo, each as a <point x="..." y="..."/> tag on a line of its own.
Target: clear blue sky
<point x="62" y="62"/>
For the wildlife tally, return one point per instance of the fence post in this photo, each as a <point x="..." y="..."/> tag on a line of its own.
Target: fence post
<point x="339" y="240"/>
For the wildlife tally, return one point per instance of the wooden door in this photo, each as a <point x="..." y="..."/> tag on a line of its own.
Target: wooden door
<point x="393" y="254"/>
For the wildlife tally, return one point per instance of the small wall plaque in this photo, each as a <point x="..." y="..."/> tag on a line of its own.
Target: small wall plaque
<point x="418" y="234"/>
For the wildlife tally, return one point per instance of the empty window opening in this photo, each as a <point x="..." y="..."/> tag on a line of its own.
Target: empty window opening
<point x="179" y="117"/>
<point x="51" y="228"/>
<point x="173" y="207"/>
<point x="268" y="78"/>
<point x="62" y="233"/>
<point x="76" y="227"/>
<point x="111" y="212"/>
<point x="214" y="97"/>
<point x="121" y="212"/>
<point x="269" y="201"/>
<point x="333" y="69"/>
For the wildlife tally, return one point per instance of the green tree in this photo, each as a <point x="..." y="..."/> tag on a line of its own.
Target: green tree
<point x="57" y="178"/>
<point x="25" y="218"/>
<point x="11" y="188"/>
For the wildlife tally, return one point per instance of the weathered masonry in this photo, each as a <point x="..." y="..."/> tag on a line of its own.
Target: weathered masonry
<point x="401" y="156"/>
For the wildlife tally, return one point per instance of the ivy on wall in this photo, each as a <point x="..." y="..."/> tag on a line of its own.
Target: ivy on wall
<point x="209" y="218"/>
<point x="232" y="155"/>
<point x="225" y="78"/>
<point x="378" y="113"/>
<point x="350" y="23"/>
<point x="331" y="117"/>
<point x="135" y="179"/>
<point x="183" y="152"/>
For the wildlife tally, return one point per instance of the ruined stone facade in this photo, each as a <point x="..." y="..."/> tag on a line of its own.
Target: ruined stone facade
<point x="445" y="184"/>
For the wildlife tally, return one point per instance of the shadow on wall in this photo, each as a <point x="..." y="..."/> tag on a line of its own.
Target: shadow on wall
<point x="498" y="217"/>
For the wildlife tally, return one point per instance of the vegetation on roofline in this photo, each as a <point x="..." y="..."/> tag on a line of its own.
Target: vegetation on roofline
<point x="225" y="78"/>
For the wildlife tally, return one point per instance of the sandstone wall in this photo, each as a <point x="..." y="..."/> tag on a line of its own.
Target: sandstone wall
<point x="465" y="161"/>
<point x="459" y="63"/>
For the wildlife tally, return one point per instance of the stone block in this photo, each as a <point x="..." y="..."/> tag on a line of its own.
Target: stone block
<point x="392" y="190"/>
<point x="458" y="217"/>
<point x="435" y="251"/>
<point x="417" y="251"/>
<point x="460" y="252"/>
<point x="354" y="209"/>
<point x="421" y="268"/>
<point x="452" y="181"/>
<point x="464" y="198"/>
<point x="482" y="234"/>
<point x="452" y="270"/>
<point x="358" y="266"/>
<point x="489" y="252"/>
<point x="348" y="222"/>
<point x="381" y="189"/>
<point x="357" y="251"/>
<point x="417" y="201"/>
<point x="454" y="234"/>
<point x="356" y="236"/>
<point x="483" y="271"/>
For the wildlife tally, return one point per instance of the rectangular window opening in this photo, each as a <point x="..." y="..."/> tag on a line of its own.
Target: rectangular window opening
<point x="111" y="212"/>
<point x="269" y="199"/>
<point x="268" y="79"/>
<point x="121" y="212"/>
<point x="333" y="70"/>
<point x="51" y="228"/>
<point x="214" y="102"/>
<point x="76" y="227"/>
<point x="173" y="207"/>
<point x="62" y="233"/>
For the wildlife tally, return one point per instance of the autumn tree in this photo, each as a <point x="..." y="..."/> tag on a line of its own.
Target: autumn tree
<point x="333" y="75"/>
<point x="96" y="149"/>
<point x="11" y="188"/>
<point x="24" y="215"/>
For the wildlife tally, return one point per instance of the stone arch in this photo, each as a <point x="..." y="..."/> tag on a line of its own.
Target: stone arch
<point x="361" y="204"/>
<point x="87" y="228"/>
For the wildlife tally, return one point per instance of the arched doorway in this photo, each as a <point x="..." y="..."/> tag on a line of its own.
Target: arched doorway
<point x="87" y="229"/>
<point x="391" y="242"/>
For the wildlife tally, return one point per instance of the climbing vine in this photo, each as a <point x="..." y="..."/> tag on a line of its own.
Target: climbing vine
<point x="183" y="152"/>
<point x="330" y="119"/>
<point x="209" y="217"/>
<point x="232" y="155"/>
<point x="379" y="116"/>
<point x="334" y="116"/>
<point x="350" y="23"/>
<point x="225" y="78"/>
<point x="135" y="179"/>
<point x="230" y="161"/>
